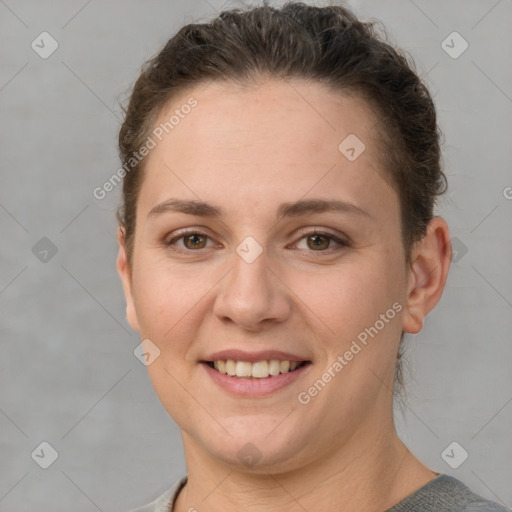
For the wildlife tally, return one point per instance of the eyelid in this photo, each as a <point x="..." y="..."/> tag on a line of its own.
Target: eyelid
<point x="305" y="232"/>
<point x="180" y="233"/>
<point x="338" y="238"/>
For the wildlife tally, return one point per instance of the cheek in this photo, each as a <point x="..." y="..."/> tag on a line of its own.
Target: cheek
<point x="173" y="302"/>
<point x="167" y="303"/>
<point x="162" y="299"/>
<point x="349" y="298"/>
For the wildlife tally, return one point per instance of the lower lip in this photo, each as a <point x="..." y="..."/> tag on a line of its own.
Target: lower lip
<point x="250" y="387"/>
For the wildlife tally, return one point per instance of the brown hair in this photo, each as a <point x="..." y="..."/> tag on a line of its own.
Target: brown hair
<point x="324" y="44"/>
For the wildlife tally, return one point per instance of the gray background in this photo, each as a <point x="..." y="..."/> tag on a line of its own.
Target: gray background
<point x="68" y="374"/>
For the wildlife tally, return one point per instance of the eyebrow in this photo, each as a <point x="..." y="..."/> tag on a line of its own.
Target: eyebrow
<point x="295" y="209"/>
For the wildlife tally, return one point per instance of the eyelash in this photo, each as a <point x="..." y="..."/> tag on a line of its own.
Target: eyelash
<point x="341" y="243"/>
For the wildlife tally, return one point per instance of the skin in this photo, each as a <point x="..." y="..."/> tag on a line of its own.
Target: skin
<point x="247" y="150"/>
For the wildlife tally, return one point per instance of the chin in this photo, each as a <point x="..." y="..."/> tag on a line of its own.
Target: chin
<point x="257" y="446"/>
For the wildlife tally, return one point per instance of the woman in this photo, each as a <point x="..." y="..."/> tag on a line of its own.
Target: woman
<point x="277" y="239"/>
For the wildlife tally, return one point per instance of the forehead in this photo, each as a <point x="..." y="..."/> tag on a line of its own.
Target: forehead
<point x="267" y="140"/>
<point x="302" y="114"/>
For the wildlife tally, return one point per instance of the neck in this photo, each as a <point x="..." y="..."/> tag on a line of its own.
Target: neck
<point x="370" y="473"/>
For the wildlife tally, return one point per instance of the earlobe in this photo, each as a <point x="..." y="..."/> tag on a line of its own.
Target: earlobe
<point x="124" y="271"/>
<point x="430" y="262"/>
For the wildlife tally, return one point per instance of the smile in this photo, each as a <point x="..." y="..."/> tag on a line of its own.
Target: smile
<point x="256" y="379"/>
<point x="257" y="370"/>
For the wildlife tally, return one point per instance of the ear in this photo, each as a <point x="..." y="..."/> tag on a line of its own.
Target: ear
<point x="124" y="270"/>
<point x="430" y="260"/>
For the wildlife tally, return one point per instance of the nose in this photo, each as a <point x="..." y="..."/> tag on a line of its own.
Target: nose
<point x="252" y="296"/>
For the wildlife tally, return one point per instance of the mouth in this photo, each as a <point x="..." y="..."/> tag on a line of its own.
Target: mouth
<point x="255" y="370"/>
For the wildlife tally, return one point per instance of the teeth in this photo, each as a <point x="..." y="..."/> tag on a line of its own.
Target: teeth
<point x="260" y="369"/>
<point x="274" y="367"/>
<point x="284" y="366"/>
<point x="231" y="367"/>
<point x="257" y="370"/>
<point x="243" y="369"/>
<point x="221" y="366"/>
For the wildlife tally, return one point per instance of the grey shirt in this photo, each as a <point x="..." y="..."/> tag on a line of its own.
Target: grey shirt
<point x="442" y="494"/>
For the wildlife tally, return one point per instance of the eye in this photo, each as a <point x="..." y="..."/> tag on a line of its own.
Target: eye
<point x="316" y="241"/>
<point x="192" y="240"/>
<point x="319" y="241"/>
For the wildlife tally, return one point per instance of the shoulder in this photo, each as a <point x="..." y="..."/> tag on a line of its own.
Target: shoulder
<point x="165" y="502"/>
<point x="485" y="506"/>
<point x="446" y="494"/>
<point x="442" y="494"/>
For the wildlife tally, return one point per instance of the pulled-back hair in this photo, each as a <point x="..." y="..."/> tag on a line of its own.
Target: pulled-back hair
<point x="329" y="45"/>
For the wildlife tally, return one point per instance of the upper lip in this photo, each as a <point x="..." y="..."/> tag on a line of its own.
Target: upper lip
<point x="252" y="357"/>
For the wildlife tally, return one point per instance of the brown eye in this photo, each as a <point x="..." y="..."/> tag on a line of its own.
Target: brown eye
<point x="318" y="242"/>
<point x="194" y="241"/>
<point x="321" y="243"/>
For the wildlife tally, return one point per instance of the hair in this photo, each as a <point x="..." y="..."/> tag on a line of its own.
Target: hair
<point x="328" y="45"/>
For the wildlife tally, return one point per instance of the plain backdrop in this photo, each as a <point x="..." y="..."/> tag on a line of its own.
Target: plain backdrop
<point x="68" y="373"/>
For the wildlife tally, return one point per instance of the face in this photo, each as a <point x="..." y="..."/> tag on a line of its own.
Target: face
<point x="296" y="256"/>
